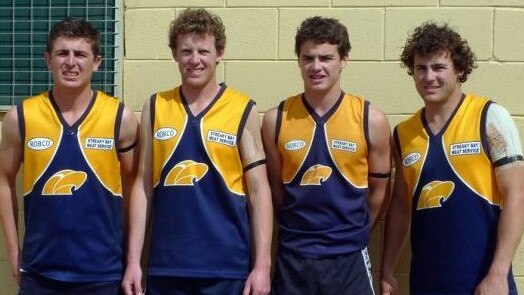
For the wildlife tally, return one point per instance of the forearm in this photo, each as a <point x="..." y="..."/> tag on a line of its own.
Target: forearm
<point x="9" y="220"/>
<point x="140" y="209"/>
<point x="378" y="190"/>
<point x="262" y="226"/>
<point x="510" y="228"/>
<point x="398" y="219"/>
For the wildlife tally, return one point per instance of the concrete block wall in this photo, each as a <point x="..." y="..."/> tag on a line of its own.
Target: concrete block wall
<point x="260" y="61"/>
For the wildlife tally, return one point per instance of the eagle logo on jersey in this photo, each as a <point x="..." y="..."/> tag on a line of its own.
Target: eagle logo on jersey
<point x="64" y="182"/>
<point x="315" y="175"/>
<point x="187" y="172"/>
<point x="434" y="194"/>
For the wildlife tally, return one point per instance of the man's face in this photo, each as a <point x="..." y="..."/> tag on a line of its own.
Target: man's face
<point x="197" y="59"/>
<point x="72" y="62"/>
<point x="435" y="77"/>
<point x="320" y="66"/>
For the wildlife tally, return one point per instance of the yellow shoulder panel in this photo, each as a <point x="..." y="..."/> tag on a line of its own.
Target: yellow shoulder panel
<point x="346" y="139"/>
<point x="43" y="132"/>
<point x="98" y="143"/>
<point x="297" y="130"/>
<point x="414" y="144"/>
<point x="169" y="125"/>
<point x="464" y="150"/>
<point x="220" y="127"/>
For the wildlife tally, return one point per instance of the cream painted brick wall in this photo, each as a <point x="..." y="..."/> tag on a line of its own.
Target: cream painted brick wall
<point x="502" y="82"/>
<point x="489" y="3"/>
<point x="171" y="3"/>
<point x="385" y="3"/>
<point x="280" y="80"/>
<point x="147" y="33"/>
<point x="509" y="36"/>
<point x="475" y="24"/>
<point x="251" y="33"/>
<point x="260" y="61"/>
<point x="277" y="3"/>
<point x="385" y="84"/>
<point x="365" y="27"/>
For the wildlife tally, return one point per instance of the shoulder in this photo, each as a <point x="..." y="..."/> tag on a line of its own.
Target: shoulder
<point x="377" y="119"/>
<point x="10" y="126"/>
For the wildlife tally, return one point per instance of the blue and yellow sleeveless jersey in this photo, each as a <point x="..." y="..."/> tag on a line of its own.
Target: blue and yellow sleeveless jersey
<point x="325" y="176"/>
<point x="201" y="224"/>
<point x="455" y="201"/>
<point x="72" y="190"/>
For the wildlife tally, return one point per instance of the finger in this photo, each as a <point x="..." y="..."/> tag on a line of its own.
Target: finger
<point x="246" y="290"/>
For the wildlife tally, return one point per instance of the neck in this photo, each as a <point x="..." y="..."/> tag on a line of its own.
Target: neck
<point x="199" y="98"/>
<point x="322" y="101"/>
<point x="72" y="103"/>
<point x="72" y="100"/>
<point x="437" y="115"/>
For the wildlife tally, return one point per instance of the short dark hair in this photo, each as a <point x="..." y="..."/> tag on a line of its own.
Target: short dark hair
<point x="198" y="21"/>
<point x="74" y="28"/>
<point x="323" y="30"/>
<point x="430" y="38"/>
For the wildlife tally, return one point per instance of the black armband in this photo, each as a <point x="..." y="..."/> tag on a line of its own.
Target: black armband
<point x="379" y="175"/>
<point x="128" y="148"/>
<point x="508" y="160"/>
<point x="254" y="164"/>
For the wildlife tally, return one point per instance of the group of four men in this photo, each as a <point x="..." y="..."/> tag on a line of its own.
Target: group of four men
<point x="208" y="178"/>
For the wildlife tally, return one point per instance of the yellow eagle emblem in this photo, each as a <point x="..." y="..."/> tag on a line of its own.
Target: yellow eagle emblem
<point x="187" y="172"/>
<point x="434" y="194"/>
<point x="315" y="175"/>
<point x="64" y="182"/>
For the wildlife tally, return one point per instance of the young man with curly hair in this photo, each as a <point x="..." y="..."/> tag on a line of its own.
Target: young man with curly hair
<point x="203" y="174"/>
<point x="329" y="161"/>
<point x="458" y="180"/>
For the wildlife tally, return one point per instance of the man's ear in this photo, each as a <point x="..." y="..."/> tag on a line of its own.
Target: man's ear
<point x="97" y="62"/>
<point x="220" y="55"/>
<point x="344" y="61"/>
<point x="47" y="59"/>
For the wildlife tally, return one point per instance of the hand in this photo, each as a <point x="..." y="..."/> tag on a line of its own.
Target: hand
<point x="258" y="283"/>
<point x="132" y="281"/>
<point x="493" y="284"/>
<point x="389" y="285"/>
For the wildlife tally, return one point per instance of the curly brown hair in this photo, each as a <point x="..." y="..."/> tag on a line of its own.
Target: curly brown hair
<point x="198" y="21"/>
<point x="430" y="38"/>
<point x="74" y="28"/>
<point x="323" y="30"/>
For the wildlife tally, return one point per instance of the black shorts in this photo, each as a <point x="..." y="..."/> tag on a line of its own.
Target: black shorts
<point x="159" y="285"/>
<point x="345" y="274"/>
<point x="32" y="284"/>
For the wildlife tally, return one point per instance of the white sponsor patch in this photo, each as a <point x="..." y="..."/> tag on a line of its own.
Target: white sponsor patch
<point x="165" y="133"/>
<point x="222" y="137"/>
<point x="465" y="148"/>
<point x="294" y="145"/>
<point x="94" y="143"/>
<point x="410" y="159"/>
<point x="39" y="143"/>
<point x="343" y="145"/>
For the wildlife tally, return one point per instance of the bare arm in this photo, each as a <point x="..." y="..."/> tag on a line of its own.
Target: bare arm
<point x="261" y="209"/>
<point x="511" y="225"/>
<point x="128" y="156"/>
<point x="398" y="219"/>
<point x="11" y="158"/>
<point x="139" y="208"/>
<point x="274" y="160"/>
<point x="379" y="163"/>
<point x="505" y="148"/>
